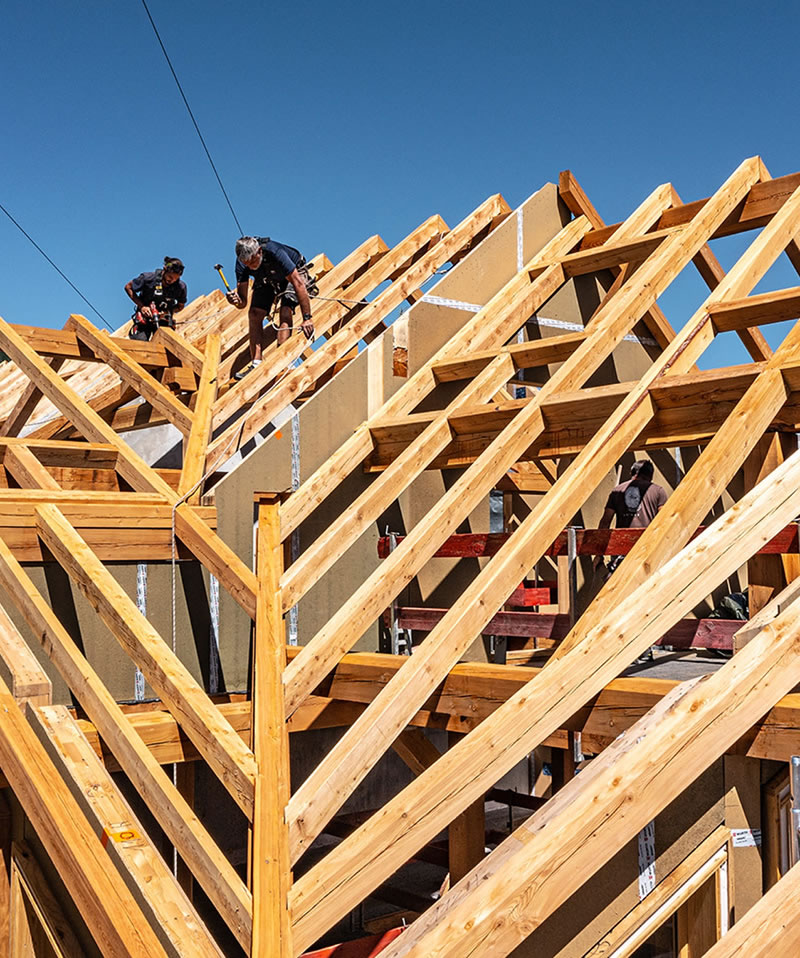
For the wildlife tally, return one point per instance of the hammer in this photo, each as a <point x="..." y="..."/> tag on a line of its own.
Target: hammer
<point x="218" y="268"/>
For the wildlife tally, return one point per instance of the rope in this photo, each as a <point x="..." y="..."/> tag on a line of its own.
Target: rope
<point x="60" y="272"/>
<point x="189" y="110"/>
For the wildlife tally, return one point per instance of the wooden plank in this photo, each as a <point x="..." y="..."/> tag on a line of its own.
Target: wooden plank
<point x="272" y="930"/>
<point x="573" y="195"/>
<point x="605" y="805"/>
<point x="216" y="741"/>
<point x="762" y="202"/>
<point x="538" y="352"/>
<point x="194" y="458"/>
<point x="28" y="401"/>
<point x="145" y="872"/>
<point x="67" y="344"/>
<point x="757" y="310"/>
<point x="27" y="470"/>
<point x="132" y="373"/>
<point x="522" y="723"/>
<point x="186" y="353"/>
<point x="211" y="868"/>
<point x="22" y="673"/>
<point x="112" y="916"/>
<point x="296" y="381"/>
<point x="347" y="763"/>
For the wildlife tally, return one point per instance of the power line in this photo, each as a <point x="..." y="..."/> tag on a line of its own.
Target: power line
<point x="186" y="102"/>
<point x="60" y="272"/>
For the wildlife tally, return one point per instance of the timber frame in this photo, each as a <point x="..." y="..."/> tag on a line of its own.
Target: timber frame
<point x="507" y="403"/>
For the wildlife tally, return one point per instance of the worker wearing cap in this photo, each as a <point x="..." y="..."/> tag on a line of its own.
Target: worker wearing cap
<point x="157" y="296"/>
<point x="279" y="273"/>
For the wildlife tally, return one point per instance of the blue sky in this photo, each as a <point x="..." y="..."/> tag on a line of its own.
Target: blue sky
<point x="331" y="122"/>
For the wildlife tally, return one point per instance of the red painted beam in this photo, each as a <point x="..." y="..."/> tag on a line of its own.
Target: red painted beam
<point x="528" y="597"/>
<point x="687" y="634"/>
<point x="610" y="542"/>
<point x="362" y="948"/>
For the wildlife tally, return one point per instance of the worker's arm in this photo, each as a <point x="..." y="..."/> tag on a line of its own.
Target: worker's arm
<point x="178" y="307"/>
<point x="145" y="310"/>
<point x="305" y="303"/>
<point x="605" y="523"/>
<point x="238" y="297"/>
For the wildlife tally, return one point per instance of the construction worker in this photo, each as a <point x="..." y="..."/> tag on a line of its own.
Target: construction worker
<point x="157" y="296"/>
<point x="279" y="273"/>
<point x="634" y="504"/>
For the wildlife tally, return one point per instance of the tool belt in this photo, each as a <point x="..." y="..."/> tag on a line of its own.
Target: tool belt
<point x="143" y="327"/>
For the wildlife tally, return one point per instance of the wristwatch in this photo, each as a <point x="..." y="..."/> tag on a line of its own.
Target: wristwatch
<point x="306" y="317"/>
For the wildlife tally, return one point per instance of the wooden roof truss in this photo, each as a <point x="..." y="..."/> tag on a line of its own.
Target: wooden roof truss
<point x="88" y="380"/>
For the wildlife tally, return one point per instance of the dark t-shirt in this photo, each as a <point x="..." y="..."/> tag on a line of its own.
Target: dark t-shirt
<point x="636" y="503"/>
<point x="278" y="260"/>
<point x="146" y="286"/>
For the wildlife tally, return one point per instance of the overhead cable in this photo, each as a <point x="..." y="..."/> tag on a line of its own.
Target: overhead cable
<point x="60" y="272"/>
<point x="189" y="109"/>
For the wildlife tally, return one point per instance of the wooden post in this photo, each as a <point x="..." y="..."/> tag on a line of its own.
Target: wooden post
<point x="466" y="834"/>
<point x="271" y="874"/>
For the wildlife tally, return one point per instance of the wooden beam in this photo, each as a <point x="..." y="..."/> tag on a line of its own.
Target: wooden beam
<point x="670" y="893"/>
<point x="150" y="881"/>
<point x="777" y="307"/>
<point x="762" y="202"/>
<point x="217" y="742"/>
<point x="22" y="672"/>
<point x="573" y="195"/>
<point x="27" y="470"/>
<point x="272" y="930"/>
<point x="110" y="912"/>
<point x="132" y="373"/>
<point x="23" y="409"/>
<point x="211" y="868"/>
<point x="194" y="457"/>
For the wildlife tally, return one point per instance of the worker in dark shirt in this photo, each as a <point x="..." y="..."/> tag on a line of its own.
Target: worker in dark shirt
<point x="634" y="504"/>
<point x="279" y="273"/>
<point x="157" y="296"/>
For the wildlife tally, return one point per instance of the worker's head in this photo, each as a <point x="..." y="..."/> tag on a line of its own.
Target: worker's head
<point x="173" y="269"/>
<point x="642" y="469"/>
<point x="248" y="251"/>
